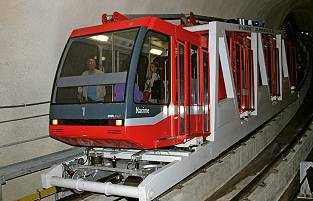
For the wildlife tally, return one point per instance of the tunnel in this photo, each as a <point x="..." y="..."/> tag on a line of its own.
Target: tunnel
<point x="34" y="34"/>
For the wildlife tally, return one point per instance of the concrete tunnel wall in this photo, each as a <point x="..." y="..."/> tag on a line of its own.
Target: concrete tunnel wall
<point x="33" y="35"/>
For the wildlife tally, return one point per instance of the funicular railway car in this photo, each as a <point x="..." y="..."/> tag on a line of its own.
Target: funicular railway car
<point x="136" y="90"/>
<point x="134" y="107"/>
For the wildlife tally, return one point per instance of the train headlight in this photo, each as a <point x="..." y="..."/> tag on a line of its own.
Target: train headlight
<point x="54" y="122"/>
<point x="119" y="122"/>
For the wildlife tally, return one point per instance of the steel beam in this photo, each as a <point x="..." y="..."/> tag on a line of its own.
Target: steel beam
<point x="36" y="164"/>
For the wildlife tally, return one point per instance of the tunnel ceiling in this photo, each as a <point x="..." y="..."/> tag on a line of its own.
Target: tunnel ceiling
<point x="275" y="12"/>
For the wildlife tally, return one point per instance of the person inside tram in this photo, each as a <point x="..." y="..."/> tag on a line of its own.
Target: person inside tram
<point x="153" y="84"/>
<point x="119" y="92"/>
<point x="91" y="93"/>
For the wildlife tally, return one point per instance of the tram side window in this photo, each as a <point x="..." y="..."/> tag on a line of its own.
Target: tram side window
<point x="106" y="61"/>
<point x="195" y="75"/>
<point x="153" y="73"/>
<point x="94" y="68"/>
<point x="78" y="54"/>
<point x="180" y="75"/>
<point x="267" y="53"/>
<point x="141" y="74"/>
<point x="206" y="91"/>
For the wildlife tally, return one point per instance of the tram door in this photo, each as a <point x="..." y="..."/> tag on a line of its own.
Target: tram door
<point x="195" y="100"/>
<point x="204" y="89"/>
<point x="182" y="92"/>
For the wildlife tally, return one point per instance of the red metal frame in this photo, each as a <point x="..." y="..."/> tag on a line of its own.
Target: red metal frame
<point x="242" y="69"/>
<point x="115" y="18"/>
<point x="292" y="62"/>
<point x="272" y="63"/>
<point x="201" y="87"/>
<point x="191" y="21"/>
<point x="177" y="45"/>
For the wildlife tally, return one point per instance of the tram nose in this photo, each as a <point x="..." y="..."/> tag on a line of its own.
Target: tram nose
<point x="87" y="122"/>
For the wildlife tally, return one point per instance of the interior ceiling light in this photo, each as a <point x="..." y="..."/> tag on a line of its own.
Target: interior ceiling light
<point x="156" y="51"/>
<point x="102" y="38"/>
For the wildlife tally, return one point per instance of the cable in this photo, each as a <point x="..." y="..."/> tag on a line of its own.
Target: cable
<point x="24" y="105"/>
<point x="23" y="141"/>
<point x="24" y="118"/>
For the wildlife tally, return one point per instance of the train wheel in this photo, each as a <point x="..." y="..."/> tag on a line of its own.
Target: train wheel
<point x="78" y="174"/>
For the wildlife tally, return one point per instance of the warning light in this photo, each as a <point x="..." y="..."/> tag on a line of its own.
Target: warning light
<point x="54" y="122"/>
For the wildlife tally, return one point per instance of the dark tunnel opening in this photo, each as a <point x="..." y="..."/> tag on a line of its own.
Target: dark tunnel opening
<point x="298" y="28"/>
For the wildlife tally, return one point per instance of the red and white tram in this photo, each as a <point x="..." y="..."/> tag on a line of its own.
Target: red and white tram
<point x="122" y="102"/>
<point x="135" y="90"/>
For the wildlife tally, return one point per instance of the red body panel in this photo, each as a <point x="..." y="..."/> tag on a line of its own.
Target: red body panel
<point x="137" y="137"/>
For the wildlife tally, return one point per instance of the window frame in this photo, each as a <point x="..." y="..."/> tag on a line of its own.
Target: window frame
<point x="169" y="64"/>
<point x="63" y="57"/>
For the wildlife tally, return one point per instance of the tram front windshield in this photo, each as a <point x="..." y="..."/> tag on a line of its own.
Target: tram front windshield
<point x="94" y="68"/>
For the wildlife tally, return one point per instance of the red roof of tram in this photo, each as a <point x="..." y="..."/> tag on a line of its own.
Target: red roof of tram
<point x="149" y="22"/>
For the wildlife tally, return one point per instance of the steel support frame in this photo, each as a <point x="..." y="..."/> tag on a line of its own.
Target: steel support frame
<point x="280" y="64"/>
<point x="181" y="165"/>
<point x="161" y="180"/>
<point x="261" y="62"/>
<point x="218" y="49"/>
<point x="284" y="60"/>
<point x="150" y="157"/>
